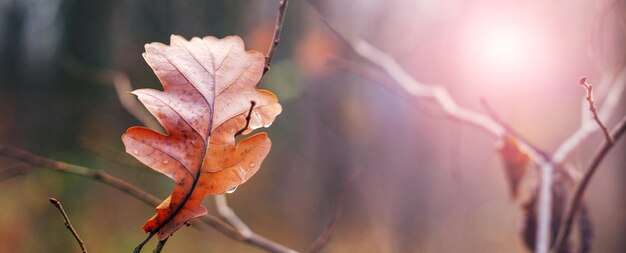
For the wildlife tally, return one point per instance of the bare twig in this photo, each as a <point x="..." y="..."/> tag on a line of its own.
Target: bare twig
<point x="68" y="224"/>
<point x="579" y="191"/>
<point x="594" y="109"/>
<point x="328" y="232"/>
<point x="151" y="200"/>
<point x="588" y="126"/>
<point x="282" y="9"/>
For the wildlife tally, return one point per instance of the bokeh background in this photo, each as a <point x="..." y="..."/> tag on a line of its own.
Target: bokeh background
<point x="425" y="183"/>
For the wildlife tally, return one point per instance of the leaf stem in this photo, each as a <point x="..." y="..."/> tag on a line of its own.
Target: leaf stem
<point x="252" y="104"/>
<point x="160" y="246"/>
<point x="141" y="244"/>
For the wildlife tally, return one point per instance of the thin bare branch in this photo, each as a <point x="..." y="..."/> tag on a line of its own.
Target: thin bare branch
<point x="68" y="224"/>
<point x="282" y="9"/>
<point x="580" y="188"/>
<point x="594" y="109"/>
<point x="588" y="126"/>
<point x="151" y="200"/>
<point x="328" y="232"/>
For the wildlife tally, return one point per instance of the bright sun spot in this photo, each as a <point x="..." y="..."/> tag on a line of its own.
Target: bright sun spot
<point x="503" y="48"/>
<point x="499" y="49"/>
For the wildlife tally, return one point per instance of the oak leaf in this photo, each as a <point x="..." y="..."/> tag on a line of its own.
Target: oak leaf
<point x="209" y="86"/>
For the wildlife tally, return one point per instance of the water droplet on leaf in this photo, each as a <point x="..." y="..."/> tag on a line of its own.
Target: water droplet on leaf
<point x="256" y="115"/>
<point x="135" y="152"/>
<point x="232" y="190"/>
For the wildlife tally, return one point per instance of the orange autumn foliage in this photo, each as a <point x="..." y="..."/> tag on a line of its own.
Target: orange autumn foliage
<point x="209" y="86"/>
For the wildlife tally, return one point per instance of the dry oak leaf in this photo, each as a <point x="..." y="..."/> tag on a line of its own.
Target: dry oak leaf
<point x="515" y="162"/>
<point x="209" y="85"/>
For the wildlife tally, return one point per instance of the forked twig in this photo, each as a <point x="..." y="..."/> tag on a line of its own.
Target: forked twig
<point x="580" y="188"/>
<point x="68" y="224"/>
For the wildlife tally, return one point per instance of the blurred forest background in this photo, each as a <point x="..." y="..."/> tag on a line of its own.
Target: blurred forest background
<point x="427" y="184"/>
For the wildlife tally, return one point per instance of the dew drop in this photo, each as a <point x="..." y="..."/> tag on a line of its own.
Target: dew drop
<point x="252" y="165"/>
<point x="232" y="190"/>
<point x="136" y="152"/>
<point x="165" y="161"/>
<point x="193" y="143"/>
<point x="256" y="115"/>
